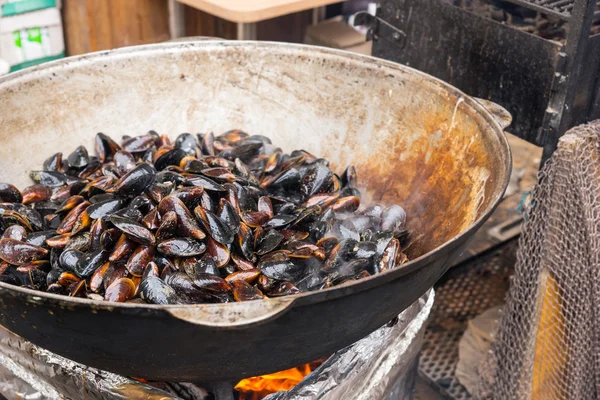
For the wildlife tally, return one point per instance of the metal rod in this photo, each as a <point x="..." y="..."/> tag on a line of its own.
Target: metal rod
<point x="246" y="31"/>
<point x="575" y="49"/>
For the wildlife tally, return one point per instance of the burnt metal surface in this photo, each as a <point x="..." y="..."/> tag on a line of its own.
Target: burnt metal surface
<point x="481" y="57"/>
<point x="415" y="141"/>
<point x="548" y="87"/>
<point x="462" y="294"/>
<point x="560" y="8"/>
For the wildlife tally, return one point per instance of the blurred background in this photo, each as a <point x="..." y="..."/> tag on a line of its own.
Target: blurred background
<point x="35" y="31"/>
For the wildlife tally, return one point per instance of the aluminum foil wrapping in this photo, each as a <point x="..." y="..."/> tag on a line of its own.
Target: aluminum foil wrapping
<point x="381" y="366"/>
<point x="30" y="372"/>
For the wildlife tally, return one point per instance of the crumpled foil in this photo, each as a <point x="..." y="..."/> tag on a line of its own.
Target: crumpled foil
<point x="383" y="365"/>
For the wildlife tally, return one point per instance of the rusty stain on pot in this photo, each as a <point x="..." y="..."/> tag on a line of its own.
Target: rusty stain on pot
<point x="416" y="141"/>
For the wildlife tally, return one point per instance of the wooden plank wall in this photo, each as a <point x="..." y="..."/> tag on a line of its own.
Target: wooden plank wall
<point x="93" y="25"/>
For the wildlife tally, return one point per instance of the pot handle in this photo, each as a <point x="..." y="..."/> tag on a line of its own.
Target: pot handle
<point x="499" y="113"/>
<point x="232" y="315"/>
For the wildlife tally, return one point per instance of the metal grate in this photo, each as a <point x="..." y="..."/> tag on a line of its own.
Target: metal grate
<point x="560" y="8"/>
<point x="465" y="292"/>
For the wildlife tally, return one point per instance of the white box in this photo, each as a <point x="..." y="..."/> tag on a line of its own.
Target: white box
<point x="27" y="39"/>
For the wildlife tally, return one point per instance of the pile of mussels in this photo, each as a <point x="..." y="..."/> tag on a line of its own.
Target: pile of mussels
<point x="205" y="219"/>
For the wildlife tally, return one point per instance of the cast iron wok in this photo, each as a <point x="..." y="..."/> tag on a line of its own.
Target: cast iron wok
<point x="415" y="141"/>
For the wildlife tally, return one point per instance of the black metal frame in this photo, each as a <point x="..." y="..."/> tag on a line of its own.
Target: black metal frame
<point x="548" y="87"/>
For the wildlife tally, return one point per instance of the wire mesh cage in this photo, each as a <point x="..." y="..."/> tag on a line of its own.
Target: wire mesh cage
<point x="548" y="343"/>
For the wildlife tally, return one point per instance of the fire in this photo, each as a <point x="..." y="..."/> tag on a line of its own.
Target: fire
<point x="260" y="386"/>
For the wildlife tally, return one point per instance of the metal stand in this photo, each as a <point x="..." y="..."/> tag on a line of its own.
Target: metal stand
<point x="246" y="31"/>
<point x="221" y="390"/>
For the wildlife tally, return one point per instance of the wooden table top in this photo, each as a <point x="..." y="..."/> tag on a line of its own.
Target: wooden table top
<point x="248" y="11"/>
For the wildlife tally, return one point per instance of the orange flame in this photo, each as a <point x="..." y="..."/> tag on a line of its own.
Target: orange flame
<point x="258" y="387"/>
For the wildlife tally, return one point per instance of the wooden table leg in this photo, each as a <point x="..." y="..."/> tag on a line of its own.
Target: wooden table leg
<point x="246" y="31"/>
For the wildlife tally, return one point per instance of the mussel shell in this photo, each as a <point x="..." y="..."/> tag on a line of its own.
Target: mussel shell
<point x="348" y="269"/>
<point x="53" y="163"/>
<point x="110" y="238"/>
<point x="393" y="219"/>
<point x="207" y="143"/>
<point x="255" y="219"/>
<point x="134" y="230"/>
<point x="48" y="178"/>
<point x="90" y="262"/>
<point x="204" y="265"/>
<point x="120" y="290"/>
<point x="181" y="247"/>
<point x="185" y="288"/>
<point x="135" y="182"/>
<point x="211" y="283"/>
<point x="138" y="144"/>
<point x="349" y="176"/>
<point x="139" y="260"/>
<point x="154" y="290"/>
<point x="106" y="207"/>
<point x="78" y="158"/>
<point x="186" y="223"/>
<point x="229" y="216"/>
<point x="281" y="268"/>
<point x="316" y="180"/>
<point x="241" y="263"/>
<point x="283" y="289"/>
<point x="52" y="276"/>
<point x="186" y="142"/>
<point x="219" y="252"/>
<point x="243" y="291"/>
<point x="141" y="203"/>
<point x="280" y="221"/>
<point x="96" y="231"/>
<point x="97" y="279"/>
<point x="124" y="162"/>
<point x="346" y="204"/>
<point x="217" y="228"/>
<point x="249" y="276"/>
<point x="114" y="272"/>
<point x="36" y="193"/>
<point x="172" y="157"/>
<point x="244" y="151"/>
<point x="190" y="196"/>
<point x="16" y="232"/>
<point x="151" y="270"/>
<point x="69" y="259"/>
<point x="206" y="183"/>
<point x="245" y="241"/>
<point x="105" y="147"/>
<point x="16" y="252"/>
<point x="268" y="241"/>
<point x="39" y="238"/>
